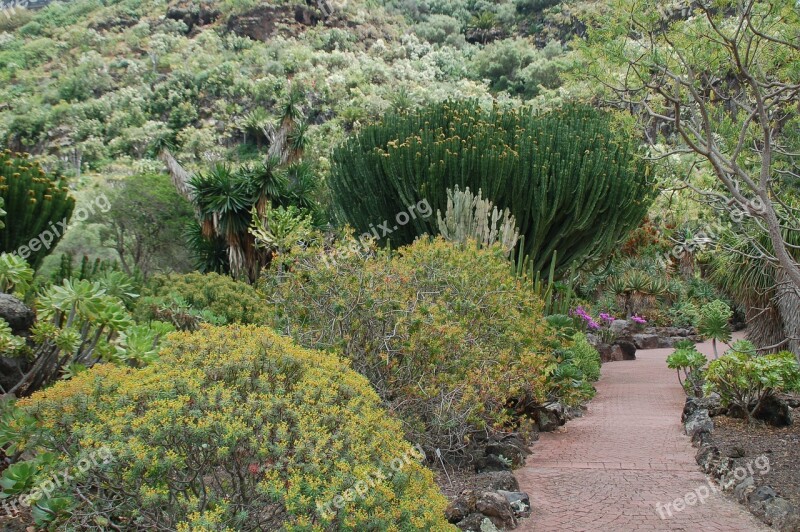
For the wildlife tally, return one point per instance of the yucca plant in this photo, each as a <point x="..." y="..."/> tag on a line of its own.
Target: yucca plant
<point x="572" y="182"/>
<point x="771" y="305"/>
<point x="226" y="197"/>
<point x="36" y="203"/>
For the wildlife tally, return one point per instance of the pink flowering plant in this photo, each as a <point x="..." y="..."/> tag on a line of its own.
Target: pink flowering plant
<point x="584" y="320"/>
<point x="639" y="321"/>
<point x="600" y="326"/>
<point x="607" y="335"/>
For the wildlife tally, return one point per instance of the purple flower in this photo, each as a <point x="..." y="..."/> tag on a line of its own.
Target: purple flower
<point x="605" y="316"/>
<point x="593" y="325"/>
<point x="638" y="319"/>
<point x="579" y="311"/>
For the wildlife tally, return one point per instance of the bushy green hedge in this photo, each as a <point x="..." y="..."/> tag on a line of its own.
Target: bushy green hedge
<point x="235" y="428"/>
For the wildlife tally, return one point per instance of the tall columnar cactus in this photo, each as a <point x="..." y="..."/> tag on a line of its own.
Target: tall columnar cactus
<point x="470" y="217"/>
<point x="573" y="184"/>
<point x="36" y="204"/>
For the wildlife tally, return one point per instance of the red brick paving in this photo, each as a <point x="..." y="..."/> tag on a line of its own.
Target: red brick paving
<point x="607" y="470"/>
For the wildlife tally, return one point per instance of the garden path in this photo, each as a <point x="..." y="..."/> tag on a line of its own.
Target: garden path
<point x="607" y="470"/>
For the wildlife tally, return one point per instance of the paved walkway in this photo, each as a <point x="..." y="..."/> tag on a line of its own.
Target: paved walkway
<point x="608" y="470"/>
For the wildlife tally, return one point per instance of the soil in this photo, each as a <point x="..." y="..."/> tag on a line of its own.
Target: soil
<point x="744" y="443"/>
<point x="454" y="481"/>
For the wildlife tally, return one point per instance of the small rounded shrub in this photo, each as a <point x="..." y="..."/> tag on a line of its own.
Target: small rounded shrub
<point x="188" y="300"/>
<point x="235" y="428"/>
<point x="745" y="379"/>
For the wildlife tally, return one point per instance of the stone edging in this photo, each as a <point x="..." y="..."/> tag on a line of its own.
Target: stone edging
<point x="761" y="501"/>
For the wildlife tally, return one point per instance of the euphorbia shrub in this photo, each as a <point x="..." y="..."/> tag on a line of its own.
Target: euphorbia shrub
<point x="446" y="334"/>
<point x="234" y="428"/>
<point x="187" y="300"/>
<point x="570" y="177"/>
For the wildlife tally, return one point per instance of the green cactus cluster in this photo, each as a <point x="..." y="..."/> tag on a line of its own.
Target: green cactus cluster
<point x="572" y="182"/>
<point x="35" y="203"/>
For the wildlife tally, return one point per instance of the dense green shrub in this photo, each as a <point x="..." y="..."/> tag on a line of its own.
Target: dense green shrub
<point x="188" y="300"/>
<point x="446" y="349"/>
<point x="145" y="224"/>
<point x="578" y="365"/>
<point x="38" y="208"/>
<point x="517" y="66"/>
<point x="572" y="184"/>
<point x="745" y="379"/>
<point x="235" y="428"/>
<point x="585" y="357"/>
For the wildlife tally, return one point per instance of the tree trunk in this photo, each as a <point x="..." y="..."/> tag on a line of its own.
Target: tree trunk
<point x="787" y="300"/>
<point x="180" y="177"/>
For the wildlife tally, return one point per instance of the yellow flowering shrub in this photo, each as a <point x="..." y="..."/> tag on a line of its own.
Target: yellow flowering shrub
<point x="447" y="335"/>
<point x="234" y="428"/>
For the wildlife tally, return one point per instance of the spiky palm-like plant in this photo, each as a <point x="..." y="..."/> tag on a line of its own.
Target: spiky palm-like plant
<point x="224" y="196"/>
<point x="573" y="184"/>
<point x="36" y="203"/>
<point x="225" y="199"/>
